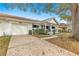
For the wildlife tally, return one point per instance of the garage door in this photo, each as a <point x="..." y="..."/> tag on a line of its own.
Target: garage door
<point x="18" y="29"/>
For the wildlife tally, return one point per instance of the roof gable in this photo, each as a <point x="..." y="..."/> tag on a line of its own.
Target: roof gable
<point x="51" y="20"/>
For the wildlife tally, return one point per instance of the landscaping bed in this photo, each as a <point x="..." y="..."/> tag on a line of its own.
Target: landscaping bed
<point x="67" y="42"/>
<point x="4" y="42"/>
<point x="40" y="33"/>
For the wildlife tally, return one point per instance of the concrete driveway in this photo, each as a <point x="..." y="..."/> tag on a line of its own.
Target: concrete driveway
<point x="26" y="45"/>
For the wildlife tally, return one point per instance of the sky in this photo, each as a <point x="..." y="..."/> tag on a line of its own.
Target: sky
<point x="27" y="14"/>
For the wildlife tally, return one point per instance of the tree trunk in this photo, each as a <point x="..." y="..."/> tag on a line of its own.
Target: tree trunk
<point x="75" y="18"/>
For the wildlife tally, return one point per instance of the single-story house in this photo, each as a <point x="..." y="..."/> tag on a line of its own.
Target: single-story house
<point x="66" y="27"/>
<point x="14" y="25"/>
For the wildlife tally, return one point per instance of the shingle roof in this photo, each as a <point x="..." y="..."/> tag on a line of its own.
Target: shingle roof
<point x="17" y="17"/>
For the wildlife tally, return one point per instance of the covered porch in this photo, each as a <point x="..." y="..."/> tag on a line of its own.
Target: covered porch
<point x="50" y="28"/>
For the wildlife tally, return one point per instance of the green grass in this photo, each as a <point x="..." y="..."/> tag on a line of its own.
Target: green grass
<point x="4" y="42"/>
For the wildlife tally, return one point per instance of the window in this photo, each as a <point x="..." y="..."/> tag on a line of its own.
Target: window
<point x="35" y="26"/>
<point x="47" y="27"/>
<point x="53" y="27"/>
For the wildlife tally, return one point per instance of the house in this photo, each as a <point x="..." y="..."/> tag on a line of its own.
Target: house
<point x="65" y="27"/>
<point x="62" y="27"/>
<point x="14" y="25"/>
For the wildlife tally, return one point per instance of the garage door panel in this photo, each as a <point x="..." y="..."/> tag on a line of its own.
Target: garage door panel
<point x="18" y="29"/>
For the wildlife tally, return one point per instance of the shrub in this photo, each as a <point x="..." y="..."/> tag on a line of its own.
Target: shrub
<point x="6" y="35"/>
<point x="39" y="31"/>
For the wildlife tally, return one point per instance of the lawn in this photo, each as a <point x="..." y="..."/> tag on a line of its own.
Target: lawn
<point x="67" y="42"/>
<point x="4" y="42"/>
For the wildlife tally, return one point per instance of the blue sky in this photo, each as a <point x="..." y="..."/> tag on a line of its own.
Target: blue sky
<point x="27" y="14"/>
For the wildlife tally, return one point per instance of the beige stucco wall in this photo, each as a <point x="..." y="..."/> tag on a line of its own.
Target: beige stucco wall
<point x="5" y="28"/>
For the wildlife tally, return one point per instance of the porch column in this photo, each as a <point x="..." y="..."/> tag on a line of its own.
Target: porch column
<point x="40" y="26"/>
<point x="51" y="29"/>
<point x="45" y="27"/>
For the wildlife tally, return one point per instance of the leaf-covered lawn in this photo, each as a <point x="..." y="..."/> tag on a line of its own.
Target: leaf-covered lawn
<point x="4" y="42"/>
<point x="67" y="42"/>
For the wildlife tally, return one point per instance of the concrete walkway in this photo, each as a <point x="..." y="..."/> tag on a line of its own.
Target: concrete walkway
<point x="32" y="46"/>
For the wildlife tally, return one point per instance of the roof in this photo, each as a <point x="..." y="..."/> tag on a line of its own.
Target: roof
<point x="51" y="20"/>
<point x="63" y="21"/>
<point x="22" y="19"/>
<point x="17" y="17"/>
<point x="62" y="25"/>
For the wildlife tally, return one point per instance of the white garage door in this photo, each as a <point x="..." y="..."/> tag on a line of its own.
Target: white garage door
<point x="18" y="29"/>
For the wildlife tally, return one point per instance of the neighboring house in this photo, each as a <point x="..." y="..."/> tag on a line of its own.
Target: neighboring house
<point x="13" y="25"/>
<point x="62" y="27"/>
<point x="67" y="27"/>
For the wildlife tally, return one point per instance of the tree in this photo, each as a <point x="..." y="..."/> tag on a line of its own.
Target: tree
<point x="75" y="18"/>
<point x="74" y="9"/>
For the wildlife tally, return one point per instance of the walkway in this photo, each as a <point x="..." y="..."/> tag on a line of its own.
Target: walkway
<point x="32" y="46"/>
